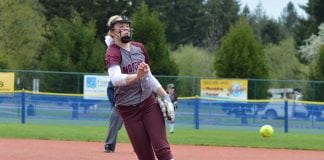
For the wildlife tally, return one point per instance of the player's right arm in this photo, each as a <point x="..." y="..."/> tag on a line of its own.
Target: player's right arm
<point x="119" y="79"/>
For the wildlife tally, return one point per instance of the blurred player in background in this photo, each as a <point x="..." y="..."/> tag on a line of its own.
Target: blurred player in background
<point x="128" y="69"/>
<point x="174" y="99"/>
<point x="115" y="121"/>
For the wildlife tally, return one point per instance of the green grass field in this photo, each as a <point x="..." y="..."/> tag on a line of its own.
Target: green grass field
<point x="215" y="137"/>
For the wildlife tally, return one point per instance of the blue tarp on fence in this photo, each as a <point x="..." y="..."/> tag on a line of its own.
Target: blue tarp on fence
<point x="28" y="107"/>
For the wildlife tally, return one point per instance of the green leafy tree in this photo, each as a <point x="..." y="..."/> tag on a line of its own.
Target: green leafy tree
<point x="90" y="10"/>
<point x="279" y="67"/>
<point x="3" y="61"/>
<point x="309" y="51"/>
<point x="303" y="30"/>
<point x="220" y="15"/>
<point x="309" y="25"/>
<point x="241" y="56"/>
<point x="21" y="29"/>
<point x="198" y="22"/>
<point x="285" y="68"/>
<point x="257" y="19"/>
<point x="318" y="70"/>
<point x="266" y="29"/>
<point x="72" y="47"/>
<point x="271" y="32"/>
<point x="317" y="73"/>
<point x="201" y="65"/>
<point x="150" y="31"/>
<point x="315" y="48"/>
<point x="184" y="22"/>
<point x="246" y="11"/>
<point x="314" y="8"/>
<point x="3" y="64"/>
<point x="289" y="18"/>
<point x="201" y="62"/>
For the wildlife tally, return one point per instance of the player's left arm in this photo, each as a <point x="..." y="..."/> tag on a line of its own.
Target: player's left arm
<point x="165" y="101"/>
<point x="156" y="86"/>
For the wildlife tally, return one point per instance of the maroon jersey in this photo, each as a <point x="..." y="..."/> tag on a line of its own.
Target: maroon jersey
<point x="128" y="62"/>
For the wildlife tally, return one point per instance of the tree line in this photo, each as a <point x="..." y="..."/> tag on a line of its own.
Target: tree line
<point x="64" y="35"/>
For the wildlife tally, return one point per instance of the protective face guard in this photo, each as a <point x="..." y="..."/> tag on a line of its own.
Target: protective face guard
<point x="123" y="20"/>
<point x="124" y="39"/>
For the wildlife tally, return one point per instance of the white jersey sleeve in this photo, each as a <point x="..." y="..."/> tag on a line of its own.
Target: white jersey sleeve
<point x="116" y="77"/>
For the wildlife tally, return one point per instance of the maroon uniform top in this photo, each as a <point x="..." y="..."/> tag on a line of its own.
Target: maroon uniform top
<point x="128" y="62"/>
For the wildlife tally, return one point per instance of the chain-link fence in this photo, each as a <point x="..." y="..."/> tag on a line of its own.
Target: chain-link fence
<point x="57" y="97"/>
<point x="186" y="86"/>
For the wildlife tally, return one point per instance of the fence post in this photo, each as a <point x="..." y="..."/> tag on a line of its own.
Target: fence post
<point x="197" y="111"/>
<point x="23" y="109"/>
<point x="286" y="115"/>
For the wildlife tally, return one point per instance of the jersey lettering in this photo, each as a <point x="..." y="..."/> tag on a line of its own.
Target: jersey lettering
<point x="130" y="68"/>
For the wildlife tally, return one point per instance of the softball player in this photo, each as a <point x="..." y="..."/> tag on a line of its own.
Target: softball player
<point x="174" y="99"/>
<point x="128" y="69"/>
<point x="115" y="122"/>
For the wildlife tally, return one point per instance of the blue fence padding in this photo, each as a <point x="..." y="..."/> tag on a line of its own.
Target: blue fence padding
<point x="59" y="98"/>
<point x="192" y="113"/>
<point x="23" y="108"/>
<point x="286" y="116"/>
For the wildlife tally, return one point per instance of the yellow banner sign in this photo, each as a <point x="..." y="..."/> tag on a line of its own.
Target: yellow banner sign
<point x="7" y="82"/>
<point x="225" y="88"/>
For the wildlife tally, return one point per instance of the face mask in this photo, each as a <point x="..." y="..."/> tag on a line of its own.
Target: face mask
<point x="126" y="39"/>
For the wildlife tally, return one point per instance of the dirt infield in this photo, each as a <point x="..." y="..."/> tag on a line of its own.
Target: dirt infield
<point x="30" y="149"/>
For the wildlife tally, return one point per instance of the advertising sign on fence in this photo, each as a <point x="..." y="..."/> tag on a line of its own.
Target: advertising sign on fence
<point x="224" y="88"/>
<point x="95" y="87"/>
<point x="7" y="82"/>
